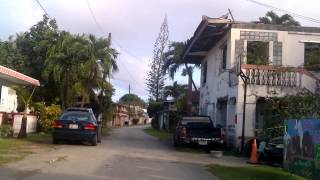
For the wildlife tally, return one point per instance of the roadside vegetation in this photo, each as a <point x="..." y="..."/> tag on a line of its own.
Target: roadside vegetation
<point x="167" y="137"/>
<point x="163" y="135"/>
<point x="251" y="172"/>
<point x="12" y="149"/>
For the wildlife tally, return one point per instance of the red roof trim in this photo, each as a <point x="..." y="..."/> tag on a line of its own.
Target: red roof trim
<point x="20" y="76"/>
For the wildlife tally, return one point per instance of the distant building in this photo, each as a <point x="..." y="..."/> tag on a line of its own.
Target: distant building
<point x="121" y="116"/>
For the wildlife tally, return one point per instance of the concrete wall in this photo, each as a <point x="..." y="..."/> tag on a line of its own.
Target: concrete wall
<point x="225" y="84"/>
<point x="8" y="100"/>
<point x="31" y="123"/>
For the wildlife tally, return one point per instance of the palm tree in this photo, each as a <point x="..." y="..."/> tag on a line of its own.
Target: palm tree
<point x="272" y="18"/>
<point x="101" y="64"/>
<point x="175" y="90"/>
<point x="173" y="61"/>
<point x="66" y="63"/>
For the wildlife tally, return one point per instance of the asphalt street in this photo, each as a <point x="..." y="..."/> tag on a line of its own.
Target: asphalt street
<point x="126" y="154"/>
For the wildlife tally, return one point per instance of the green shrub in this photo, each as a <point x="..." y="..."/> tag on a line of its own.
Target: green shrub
<point x="47" y="115"/>
<point x="6" y="131"/>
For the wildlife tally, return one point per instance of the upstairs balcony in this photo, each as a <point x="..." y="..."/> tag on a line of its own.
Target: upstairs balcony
<point x="270" y="75"/>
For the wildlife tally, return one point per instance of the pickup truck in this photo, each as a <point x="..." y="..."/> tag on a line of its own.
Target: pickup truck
<point x="198" y="130"/>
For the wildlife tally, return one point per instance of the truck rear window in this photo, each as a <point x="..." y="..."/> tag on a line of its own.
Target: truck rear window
<point x="186" y="120"/>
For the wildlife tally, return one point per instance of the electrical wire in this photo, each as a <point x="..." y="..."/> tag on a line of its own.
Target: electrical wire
<point x="43" y="9"/>
<point x="285" y="11"/>
<point x="101" y="29"/>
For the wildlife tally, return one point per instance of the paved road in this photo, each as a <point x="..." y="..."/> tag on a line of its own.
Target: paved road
<point x="128" y="153"/>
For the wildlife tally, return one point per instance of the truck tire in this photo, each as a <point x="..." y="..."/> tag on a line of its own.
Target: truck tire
<point x="54" y="141"/>
<point x="175" y="142"/>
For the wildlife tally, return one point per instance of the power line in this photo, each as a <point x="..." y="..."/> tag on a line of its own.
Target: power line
<point x="285" y="11"/>
<point x="43" y="9"/>
<point x="101" y="29"/>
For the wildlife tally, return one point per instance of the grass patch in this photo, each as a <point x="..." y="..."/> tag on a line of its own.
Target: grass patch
<point x="159" y="134"/>
<point x="105" y="131"/>
<point x="13" y="149"/>
<point x="251" y="173"/>
<point x="233" y="152"/>
<point x="167" y="136"/>
<point x="45" y="138"/>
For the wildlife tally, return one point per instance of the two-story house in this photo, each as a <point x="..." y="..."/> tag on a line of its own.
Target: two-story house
<point x="277" y="61"/>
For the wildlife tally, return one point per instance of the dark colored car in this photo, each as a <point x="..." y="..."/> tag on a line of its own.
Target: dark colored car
<point x="198" y="130"/>
<point x="77" y="124"/>
<point x="273" y="152"/>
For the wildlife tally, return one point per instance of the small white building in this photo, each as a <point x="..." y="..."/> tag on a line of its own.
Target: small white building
<point x="8" y="99"/>
<point x="274" y="58"/>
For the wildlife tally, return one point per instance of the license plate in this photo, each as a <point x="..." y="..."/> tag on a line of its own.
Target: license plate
<point x="73" y="126"/>
<point x="203" y="143"/>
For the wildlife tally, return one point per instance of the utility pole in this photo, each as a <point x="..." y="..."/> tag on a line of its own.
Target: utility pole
<point x="245" y="82"/>
<point x="129" y="103"/>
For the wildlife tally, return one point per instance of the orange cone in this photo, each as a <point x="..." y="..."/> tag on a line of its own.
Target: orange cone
<point x="254" y="153"/>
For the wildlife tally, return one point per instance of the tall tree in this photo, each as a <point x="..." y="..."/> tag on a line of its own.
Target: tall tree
<point x="173" y="61"/>
<point x="132" y="99"/>
<point x="155" y="79"/>
<point x="273" y="18"/>
<point x="175" y="90"/>
<point x="34" y="45"/>
<point x="66" y="62"/>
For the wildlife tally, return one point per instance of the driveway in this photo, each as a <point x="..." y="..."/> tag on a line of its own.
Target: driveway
<point x="128" y="153"/>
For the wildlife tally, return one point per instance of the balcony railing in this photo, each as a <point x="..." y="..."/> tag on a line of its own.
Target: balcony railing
<point x="272" y="75"/>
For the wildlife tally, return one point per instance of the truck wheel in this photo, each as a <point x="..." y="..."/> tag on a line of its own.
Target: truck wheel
<point x="99" y="135"/>
<point x="176" y="143"/>
<point x="54" y="141"/>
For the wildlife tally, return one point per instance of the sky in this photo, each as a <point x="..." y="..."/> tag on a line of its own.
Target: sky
<point x="135" y="24"/>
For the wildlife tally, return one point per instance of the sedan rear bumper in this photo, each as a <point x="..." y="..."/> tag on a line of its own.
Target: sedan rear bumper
<point x="73" y="135"/>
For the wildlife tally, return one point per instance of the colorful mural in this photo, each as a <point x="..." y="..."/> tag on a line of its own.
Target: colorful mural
<point x="302" y="147"/>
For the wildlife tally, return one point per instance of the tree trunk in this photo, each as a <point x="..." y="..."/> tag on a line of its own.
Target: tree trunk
<point x="190" y="75"/>
<point x="189" y="97"/>
<point x="23" y="129"/>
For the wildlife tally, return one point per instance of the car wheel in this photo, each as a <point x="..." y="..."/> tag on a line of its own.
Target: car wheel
<point x="99" y="135"/>
<point x="94" y="140"/>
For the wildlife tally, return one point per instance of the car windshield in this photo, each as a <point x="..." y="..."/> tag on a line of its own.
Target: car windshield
<point x="75" y="116"/>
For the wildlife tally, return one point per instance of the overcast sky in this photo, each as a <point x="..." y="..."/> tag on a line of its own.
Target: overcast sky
<point x="135" y="24"/>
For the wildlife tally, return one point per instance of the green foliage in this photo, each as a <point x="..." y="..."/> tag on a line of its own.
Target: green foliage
<point x="155" y="77"/>
<point x="153" y="108"/>
<point x="175" y="90"/>
<point x="312" y="56"/>
<point x="258" y="53"/>
<point x="182" y="105"/>
<point x="251" y="172"/>
<point x="159" y="134"/>
<point x="6" y="131"/>
<point x="291" y="107"/>
<point x="132" y="99"/>
<point x="47" y="115"/>
<point x="67" y="65"/>
<point x="273" y="18"/>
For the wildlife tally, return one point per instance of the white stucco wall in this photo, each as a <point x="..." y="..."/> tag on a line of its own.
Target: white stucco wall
<point x="218" y="84"/>
<point x="31" y="123"/>
<point x="8" y="100"/>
